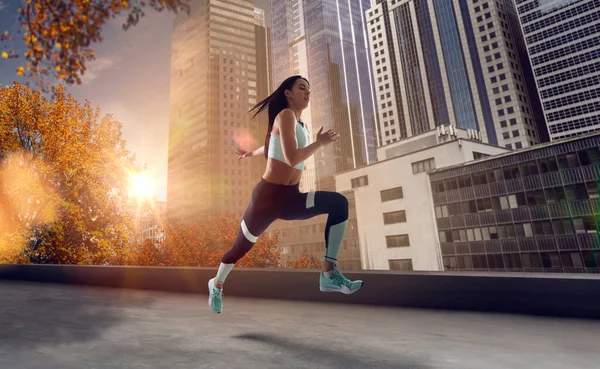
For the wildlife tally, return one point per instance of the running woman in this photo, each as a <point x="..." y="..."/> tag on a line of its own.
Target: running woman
<point x="277" y="194"/>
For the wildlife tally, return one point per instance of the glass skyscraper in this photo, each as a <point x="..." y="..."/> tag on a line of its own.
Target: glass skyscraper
<point x="563" y="41"/>
<point x="451" y="62"/>
<point x="326" y="41"/>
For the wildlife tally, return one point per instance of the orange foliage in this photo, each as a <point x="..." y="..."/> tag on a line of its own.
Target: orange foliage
<point x="203" y="243"/>
<point x="305" y="261"/>
<point x="58" y="34"/>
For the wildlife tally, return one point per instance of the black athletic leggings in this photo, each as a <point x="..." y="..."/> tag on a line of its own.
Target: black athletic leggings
<point x="271" y="201"/>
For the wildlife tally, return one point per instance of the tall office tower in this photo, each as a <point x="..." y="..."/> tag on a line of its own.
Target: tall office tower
<point x="290" y="58"/>
<point x="563" y="42"/>
<point x="264" y="83"/>
<point x="440" y="62"/>
<point x="213" y="85"/>
<point x="326" y="41"/>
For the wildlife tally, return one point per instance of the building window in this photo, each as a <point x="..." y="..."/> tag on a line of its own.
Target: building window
<point x="394" y="217"/>
<point x="562" y="226"/>
<point x="392" y="194"/>
<point x="441" y="211"/>
<point x="592" y="188"/>
<point x="423" y="166"/>
<point x="404" y="265"/>
<point x="585" y="225"/>
<point x="360" y="181"/>
<point x="437" y="187"/>
<point x="555" y="194"/>
<point x="479" y="155"/>
<point x="567" y="161"/>
<point x="576" y="192"/>
<point x="399" y="240"/>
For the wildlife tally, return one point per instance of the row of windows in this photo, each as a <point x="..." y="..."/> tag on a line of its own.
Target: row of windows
<point x="498" y="66"/>
<point x="506" y="135"/>
<point x="513" y="122"/>
<point x="567" y="50"/>
<point x="508" y="173"/>
<point x="563" y="40"/>
<point x="394" y="217"/>
<point x="399" y="240"/>
<point x="579" y="133"/>
<point x="524" y="8"/>
<point x="593" y="121"/>
<point x="545" y="165"/>
<point x="593" y="80"/>
<point x="558" y="17"/>
<point x="565" y="76"/>
<point x="487" y="15"/>
<point x="549" y="195"/>
<point x="568" y="14"/>
<point x="423" y="166"/>
<point x="572" y="99"/>
<point x="404" y="265"/>
<point x="387" y="133"/>
<point x="575" y="23"/>
<point x="547" y="260"/>
<point x="488" y="58"/>
<point x="392" y="194"/>
<point x="484" y="6"/>
<point x="492" y="35"/>
<point x="574" y="112"/>
<point x="569" y="62"/>
<point x="559" y="227"/>
<point x="490" y="25"/>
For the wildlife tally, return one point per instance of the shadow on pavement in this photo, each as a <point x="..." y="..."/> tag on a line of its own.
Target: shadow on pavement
<point x="33" y="315"/>
<point x="330" y="358"/>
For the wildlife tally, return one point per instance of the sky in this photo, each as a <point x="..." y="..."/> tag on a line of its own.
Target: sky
<point x="129" y="79"/>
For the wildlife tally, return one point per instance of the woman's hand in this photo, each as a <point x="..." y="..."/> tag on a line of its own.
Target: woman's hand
<point x="327" y="137"/>
<point x="241" y="153"/>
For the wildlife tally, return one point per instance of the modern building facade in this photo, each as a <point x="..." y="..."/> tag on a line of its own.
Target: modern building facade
<point x="563" y="42"/>
<point x="214" y="82"/>
<point x="452" y="62"/>
<point x="290" y="58"/>
<point x="264" y="86"/>
<point x="395" y="219"/>
<point x="533" y="210"/>
<point x="326" y="41"/>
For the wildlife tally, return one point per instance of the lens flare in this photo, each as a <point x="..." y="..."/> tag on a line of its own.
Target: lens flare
<point x="27" y="200"/>
<point x="140" y="186"/>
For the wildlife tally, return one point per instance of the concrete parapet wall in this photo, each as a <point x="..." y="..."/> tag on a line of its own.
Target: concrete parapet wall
<point x="562" y="295"/>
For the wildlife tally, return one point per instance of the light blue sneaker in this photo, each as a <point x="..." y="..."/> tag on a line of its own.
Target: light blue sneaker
<point x="215" y="297"/>
<point x="336" y="282"/>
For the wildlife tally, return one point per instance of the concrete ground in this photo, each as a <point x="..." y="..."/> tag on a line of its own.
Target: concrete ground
<point x="45" y="326"/>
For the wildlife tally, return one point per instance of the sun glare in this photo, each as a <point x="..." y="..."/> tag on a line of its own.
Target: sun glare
<point x="140" y="186"/>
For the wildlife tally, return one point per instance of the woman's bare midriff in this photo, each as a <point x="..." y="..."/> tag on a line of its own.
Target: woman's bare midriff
<point x="281" y="173"/>
<point x="278" y="172"/>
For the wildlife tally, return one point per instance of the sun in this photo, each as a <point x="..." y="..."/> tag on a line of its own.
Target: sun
<point x="140" y="186"/>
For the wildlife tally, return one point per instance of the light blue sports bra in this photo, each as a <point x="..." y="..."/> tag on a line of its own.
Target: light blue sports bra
<point x="276" y="150"/>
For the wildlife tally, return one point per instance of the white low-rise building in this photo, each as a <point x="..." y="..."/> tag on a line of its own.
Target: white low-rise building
<point x="395" y="214"/>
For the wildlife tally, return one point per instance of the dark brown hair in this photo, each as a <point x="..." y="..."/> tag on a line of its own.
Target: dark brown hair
<point x="276" y="102"/>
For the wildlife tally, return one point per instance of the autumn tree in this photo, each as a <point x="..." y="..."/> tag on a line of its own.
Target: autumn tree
<point x="202" y="243"/>
<point x="305" y="261"/>
<point x="59" y="34"/>
<point x="63" y="179"/>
